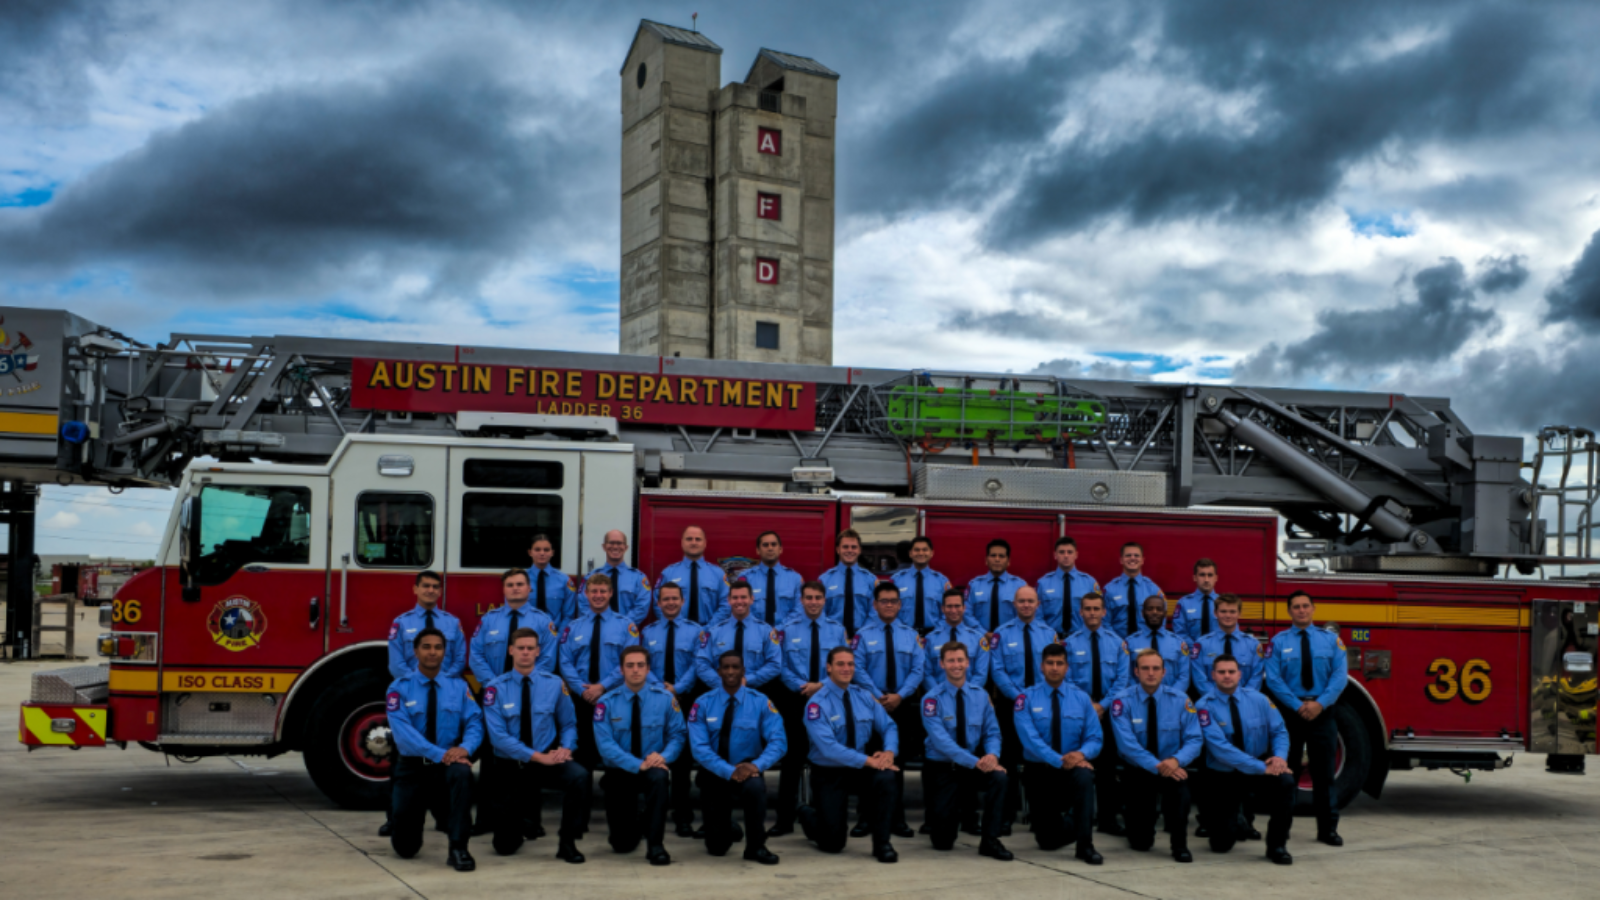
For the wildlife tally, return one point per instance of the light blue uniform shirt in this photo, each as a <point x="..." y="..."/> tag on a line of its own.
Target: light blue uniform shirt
<point x="1191" y="614"/>
<point x="933" y="585"/>
<point x="403" y="633"/>
<point x="1008" y="668"/>
<point x="825" y="726"/>
<point x="562" y="596"/>
<point x="1177" y="727"/>
<point x="662" y="726"/>
<point x="1117" y="609"/>
<point x="1246" y="648"/>
<point x="634" y="598"/>
<point x="1080" y="727"/>
<point x="983" y="596"/>
<point x="685" y="644"/>
<point x="757" y="736"/>
<point x="861" y="582"/>
<point x="1174" y="652"/>
<point x="456" y="718"/>
<point x="577" y="643"/>
<point x="1329" y="667"/>
<point x="978" y="655"/>
<point x="762" y="658"/>
<point x="794" y="639"/>
<point x="1114" y="676"/>
<point x="1058" y="605"/>
<point x="939" y="721"/>
<point x="786" y="583"/>
<point x="871" y="646"/>
<point x="487" y="653"/>
<point x="713" y="584"/>
<point x="550" y="712"/>
<point x="1265" y="735"/>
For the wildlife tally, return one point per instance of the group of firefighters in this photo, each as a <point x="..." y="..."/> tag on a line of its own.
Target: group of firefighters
<point x="1083" y="697"/>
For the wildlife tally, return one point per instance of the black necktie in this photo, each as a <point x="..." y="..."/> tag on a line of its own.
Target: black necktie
<point x="672" y="651"/>
<point x="1066" y="602"/>
<point x="738" y="639"/>
<point x="1152" y="738"/>
<point x="1027" y="655"/>
<point x="694" y="592"/>
<point x="889" y="673"/>
<point x="1227" y="644"/>
<point x="1055" y="720"/>
<point x="1238" y="727"/>
<point x="431" y="729"/>
<point x="543" y="607"/>
<point x="427" y="618"/>
<point x="961" y="718"/>
<point x="594" y="650"/>
<point x="726" y="737"/>
<point x="1133" y="601"/>
<point x="849" y="719"/>
<point x="772" y="595"/>
<point x="850" y="599"/>
<point x="510" y="630"/>
<point x="615" y="599"/>
<point x="1096" y="687"/>
<point x="525" y="714"/>
<point x="994" y="605"/>
<point x="919" y="614"/>
<point x="1205" y="615"/>
<point x="816" y="652"/>
<point x="636" y="742"/>
<point x="1307" y="679"/>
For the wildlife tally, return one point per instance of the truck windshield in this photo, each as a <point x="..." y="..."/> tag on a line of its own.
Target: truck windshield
<point x="243" y="524"/>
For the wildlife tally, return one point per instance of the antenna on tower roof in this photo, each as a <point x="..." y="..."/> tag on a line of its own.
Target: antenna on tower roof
<point x="694" y="22"/>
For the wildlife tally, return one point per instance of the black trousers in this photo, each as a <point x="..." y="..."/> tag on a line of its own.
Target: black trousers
<point x="949" y="790"/>
<point x="1318" y="739"/>
<point x="826" y="820"/>
<point x="1010" y="752"/>
<point x="718" y="797"/>
<point x="682" y="769"/>
<point x="417" y="786"/>
<point x="1141" y="790"/>
<point x="792" y="707"/>
<point x="519" y="787"/>
<point x="587" y="753"/>
<point x="623" y="791"/>
<point x="1223" y="795"/>
<point x="908" y="723"/>
<point x="1108" y="783"/>
<point x="1061" y="804"/>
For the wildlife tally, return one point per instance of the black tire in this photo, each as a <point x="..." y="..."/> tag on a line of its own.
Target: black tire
<point x="345" y="782"/>
<point x="1354" y="762"/>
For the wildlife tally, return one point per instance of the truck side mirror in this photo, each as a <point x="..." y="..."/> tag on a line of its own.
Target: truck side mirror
<point x="189" y="548"/>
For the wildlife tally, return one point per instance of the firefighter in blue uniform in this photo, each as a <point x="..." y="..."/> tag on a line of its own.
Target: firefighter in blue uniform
<point x="437" y="726"/>
<point x="853" y="746"/>
<point x="735" y="734"/>
<point x="527" y="709"/>
<point x="1158" y="737"/>
<point x="805" y="640"/>
<point x="954" y="627"/>
<point x="1015" y="652"/>
<point x="1060" y="590"/>
<point x="591" y="659"/>
<point x="630" y="587"/>
<point x="550" y="591"/>
<point x="963" y="757"/>
<point x="672" y="642"/>
<point x="774" y="587"/>
<point x="704" y="583"/>
<point x="489" y="654"/>
<point x="1306" y="673"/>
<point x="1155" y="636"/>
<point x="1061" y="740"/>
<point x="1196" y="615"/>
<point x="639" y="729"/>
<point x="889" y="661"/>
<point x="1246" y="746"/>
<point x="849" y="584"/>
<point x="1228" y="639"/>
<point x="989" y="596"/>
<point x="1097" y="662"/>
<point x="1125" y="594"/>
<point x="744" y="634"/>
<point x="920" y="587"/>
<point x="403" y="635"/>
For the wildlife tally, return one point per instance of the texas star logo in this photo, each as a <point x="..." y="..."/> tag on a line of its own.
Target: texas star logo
<point x="237" y="623"/>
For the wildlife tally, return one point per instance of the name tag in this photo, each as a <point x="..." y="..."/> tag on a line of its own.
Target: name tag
<point x="508" y="706"/>
<point x="1038" y="709"/>
<point x="411" y="703"/>
<point x="1080" y="652"/>
<point x="1138" y="721"/>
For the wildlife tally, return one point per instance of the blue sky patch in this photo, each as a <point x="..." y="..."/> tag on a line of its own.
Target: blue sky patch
<point x="33" y="196"/>
<point x="1391" y="223"/>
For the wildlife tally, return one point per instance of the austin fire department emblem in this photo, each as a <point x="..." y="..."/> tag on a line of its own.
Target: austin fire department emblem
<point x="237" y="623"/>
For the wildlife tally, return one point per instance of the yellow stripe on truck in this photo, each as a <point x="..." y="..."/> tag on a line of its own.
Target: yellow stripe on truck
<point x="29" y="423"/>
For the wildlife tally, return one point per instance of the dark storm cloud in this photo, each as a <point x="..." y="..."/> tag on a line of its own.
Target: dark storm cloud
<point x="1501" y="274"/>
<point x="1576" y="298"/>
<point x="442" y="168"/>
<point x="1353" y="343"/>
<point x="46" y="49"/>
<point x="1099" y="370"/>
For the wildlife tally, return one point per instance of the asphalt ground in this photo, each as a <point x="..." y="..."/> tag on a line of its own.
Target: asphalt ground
<point x="132" y="824"/>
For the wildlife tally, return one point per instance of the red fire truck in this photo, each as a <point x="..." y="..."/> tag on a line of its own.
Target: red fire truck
<point x="313" y="478"/>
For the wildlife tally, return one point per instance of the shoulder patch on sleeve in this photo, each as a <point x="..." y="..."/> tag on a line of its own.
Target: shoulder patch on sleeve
<point x="572" y="583"/>
<point x="1338" y="642"/>
<point x="394" y="630"/>
<point x="930" y="707"/>
<point x="565" y="691"/>
<point x="599" y="712"/>
<point x="1124" y="648"/>
<point x="992" y="639"/>
<point x="855" y="641"/>
<point x="633" y="630"/>
<point x="1116" y="709"/>
<point x="777" y="636"/>
<point x="1022" y="701"/>
<point x="1183" y="649"/>
<point x="393" y="704"/>
<point x="488" y="696"/>
<point x="1188" y="707"/>
<point x="675" y="707"/>
<point x="1194" y="650"/>
<point x="1205" y="719"/>
<point x="705" y="638"/>
<point x="694" y="713"/>
<point x="772" y="709"/>
<point x="565" y="633"/>
<point x="1264" y="649"/>
<point x="922" y="641"/>
<point x="813" y="712"/>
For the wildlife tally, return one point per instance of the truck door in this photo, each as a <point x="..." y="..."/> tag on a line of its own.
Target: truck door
<point x="254" y="574"/>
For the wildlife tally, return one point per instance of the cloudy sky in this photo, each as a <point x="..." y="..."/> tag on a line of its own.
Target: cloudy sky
<point x="1400" y="195"/>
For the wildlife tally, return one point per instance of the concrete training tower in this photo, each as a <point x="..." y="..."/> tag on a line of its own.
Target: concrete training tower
<point x="727" y="203"/>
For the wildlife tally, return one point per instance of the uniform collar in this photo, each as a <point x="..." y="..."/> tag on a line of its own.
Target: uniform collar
<point x="694" y="561"/>
<point x="590" y="614"/>
<point x="544" y="568"/>
<point x="423" y="610"/>
<point x="749" y="617"/>
<point x="530" y="676"/>
<point x="609" y="565"/>
<point x="724" y="696"/>
<point x="840" y="692"/>
<point x="1308" y="628"/>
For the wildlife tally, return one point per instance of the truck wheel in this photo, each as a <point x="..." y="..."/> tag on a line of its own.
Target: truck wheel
<point x="1351" y="761"/>
<point x="349" y="750"/>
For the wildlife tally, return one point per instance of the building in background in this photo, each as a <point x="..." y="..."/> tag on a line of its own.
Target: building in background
<point x="727" y="203"/>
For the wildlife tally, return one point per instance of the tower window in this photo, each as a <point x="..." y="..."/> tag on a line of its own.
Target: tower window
<point x="766" y="335"/>
<point x="639" y="77"/>
<point x="769" y="102"/>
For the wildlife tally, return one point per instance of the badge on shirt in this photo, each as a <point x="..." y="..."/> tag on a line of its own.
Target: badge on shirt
<point x="599" y="712"/>
<point x="394" y="701"/>
<point x="394" y="631"/>
<point x="814" y="712"/>
<point x="1205" y="719"/>
<point x="488" y="696"/>
<point x="930" y="707"/>
<point x="1116" y="709"/>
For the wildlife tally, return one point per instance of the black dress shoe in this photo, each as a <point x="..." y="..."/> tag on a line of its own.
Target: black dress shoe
<point x="781" y="829"/>
<point x="1280" y="856"/>
<point x="384" y="829"/>
<point x="862" y="829"/>
<point x="995" y="850"/>
<point x="1331" y="838"/>
<point x="1113" y="829"/>
<point x="761" y="855"/>
<point x="972" y="828"/>
<point x="1090" y="855"/>
<point x="1183" y="856"/>
<point x="1202" y="831"/>
<point x="902" y="830"/>
<point x="1248" y="833"/>
<point x="886" y="854"/>
<point x="684" y="831"/>
<point x="461" y="860"/>
<point x="658" y="855"/>
<point x="532" y="830"/>
<point x="568" y="851"/>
